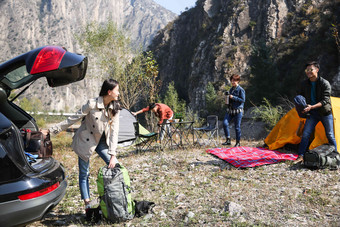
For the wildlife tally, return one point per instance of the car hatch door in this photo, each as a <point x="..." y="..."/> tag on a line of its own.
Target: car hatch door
<point x="56" y="64"/>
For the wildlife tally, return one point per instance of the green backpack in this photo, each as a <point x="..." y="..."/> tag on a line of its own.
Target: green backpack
<point x="115" y="193"/>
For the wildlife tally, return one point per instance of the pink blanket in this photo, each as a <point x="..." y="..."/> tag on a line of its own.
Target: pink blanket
<point x="244" y="157"/>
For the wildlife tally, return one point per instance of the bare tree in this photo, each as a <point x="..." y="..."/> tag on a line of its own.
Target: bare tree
<point x="114" y="57"/>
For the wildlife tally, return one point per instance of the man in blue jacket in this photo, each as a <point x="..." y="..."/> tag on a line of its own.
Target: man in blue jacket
<point x="317" y="92"/>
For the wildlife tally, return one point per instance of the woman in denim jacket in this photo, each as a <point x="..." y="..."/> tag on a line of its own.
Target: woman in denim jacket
<point x="98" y="132"/>
<point x="235" y="103"/>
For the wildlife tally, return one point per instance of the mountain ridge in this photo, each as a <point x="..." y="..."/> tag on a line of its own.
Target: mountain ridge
<point x="27" y="25"/>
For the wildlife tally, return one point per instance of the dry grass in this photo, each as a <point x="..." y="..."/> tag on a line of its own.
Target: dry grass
<point x="192" y="188"/>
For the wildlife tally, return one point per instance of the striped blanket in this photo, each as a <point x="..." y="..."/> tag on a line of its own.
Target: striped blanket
<point x="244" y="157"/>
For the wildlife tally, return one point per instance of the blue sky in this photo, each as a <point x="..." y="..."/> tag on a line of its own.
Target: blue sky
<point x="176" y="6"/>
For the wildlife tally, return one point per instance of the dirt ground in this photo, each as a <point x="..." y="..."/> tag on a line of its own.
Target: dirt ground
<point x="193" y="188"/>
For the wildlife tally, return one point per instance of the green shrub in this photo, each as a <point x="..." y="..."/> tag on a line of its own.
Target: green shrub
<point x="215" y="101"/>
<point x="252" y="24"/>
<point x="172" y="100"/>
<point x="268" y="113"/>
<point x="40" y="121"/>
<point x="193" y="116"/>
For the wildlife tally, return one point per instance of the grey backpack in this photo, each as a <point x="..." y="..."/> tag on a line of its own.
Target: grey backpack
<point x="115" y="193"/>
<point x="324" y="156"/>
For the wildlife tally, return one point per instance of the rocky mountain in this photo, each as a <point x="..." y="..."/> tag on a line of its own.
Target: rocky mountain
<point x="266" y="41"/>
<point x="29" y="24"/>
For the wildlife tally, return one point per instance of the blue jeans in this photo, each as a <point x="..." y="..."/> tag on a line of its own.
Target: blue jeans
<point x="84" y="170"/>
<point x="227" y="119"/>
<point x="310" y="124"/>
<point x="164" y="127"/>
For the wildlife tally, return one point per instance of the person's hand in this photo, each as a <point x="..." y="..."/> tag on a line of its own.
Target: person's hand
<point x="45" y="131"/>
<point x="134" y="113"/>
<point x="113" y="162"/>
<point x="307" y="109"/>
<point x="231" y="97"/>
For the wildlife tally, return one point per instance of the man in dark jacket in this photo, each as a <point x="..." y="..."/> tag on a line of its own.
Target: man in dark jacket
<point x="317" y="92"/>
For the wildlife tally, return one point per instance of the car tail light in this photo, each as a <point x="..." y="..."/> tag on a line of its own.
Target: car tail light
<point x="48" y="59"/>
<point x="39" y="193"/>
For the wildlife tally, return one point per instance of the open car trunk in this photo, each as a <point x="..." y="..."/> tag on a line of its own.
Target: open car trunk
<point x="56" y="64"/>
<point x="12" y="140"/>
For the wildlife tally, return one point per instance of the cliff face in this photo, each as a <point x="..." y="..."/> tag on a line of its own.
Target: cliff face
<point x="217" y="38"/>
<point x="26" y="25"/>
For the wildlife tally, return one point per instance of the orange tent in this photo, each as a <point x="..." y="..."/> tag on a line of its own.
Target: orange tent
<point x="289" y="129"/>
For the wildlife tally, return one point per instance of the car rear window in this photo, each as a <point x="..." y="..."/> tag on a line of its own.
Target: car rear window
<point x="9" y="171"/>
<point x="17" y="74"/>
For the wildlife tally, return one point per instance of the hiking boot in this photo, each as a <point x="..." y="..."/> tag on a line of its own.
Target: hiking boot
<point x="298" y="160"/>
<point x="227" y="142"/>
<point x="237" y="144"/>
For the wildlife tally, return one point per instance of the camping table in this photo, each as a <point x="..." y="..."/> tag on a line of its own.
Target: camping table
<point x="178" y="135"/>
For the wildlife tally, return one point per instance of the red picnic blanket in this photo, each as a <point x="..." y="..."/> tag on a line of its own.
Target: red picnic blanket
<point x="244" y="157"/>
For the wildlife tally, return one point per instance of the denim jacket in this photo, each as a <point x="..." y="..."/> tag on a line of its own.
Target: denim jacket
<point x="239" y="97"/>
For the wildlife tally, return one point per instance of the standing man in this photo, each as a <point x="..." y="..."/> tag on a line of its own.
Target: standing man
<point x="162" y="111"/>
<point x="317" y="92"/>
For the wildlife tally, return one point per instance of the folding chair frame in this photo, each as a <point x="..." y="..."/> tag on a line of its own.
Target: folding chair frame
<point x="146" y="140"/>
<point x="211" y="131"/>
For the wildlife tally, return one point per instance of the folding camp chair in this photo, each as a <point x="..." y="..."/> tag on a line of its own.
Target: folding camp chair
<point x="209" y="133"/>
<point x="143" y="140"/>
